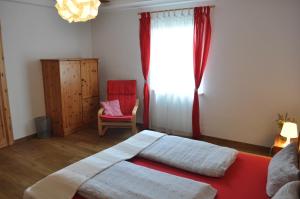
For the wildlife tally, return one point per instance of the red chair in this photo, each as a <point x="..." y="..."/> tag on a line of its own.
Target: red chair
<point x="125" y="92"/>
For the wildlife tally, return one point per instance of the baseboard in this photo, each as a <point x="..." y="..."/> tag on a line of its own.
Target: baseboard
<point x="246" y="147"/>
<point x="25" y="138"/>
<point x="139" y="125"/>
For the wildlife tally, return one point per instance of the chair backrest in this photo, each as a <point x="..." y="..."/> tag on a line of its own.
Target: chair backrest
<point x="124" y="91"/>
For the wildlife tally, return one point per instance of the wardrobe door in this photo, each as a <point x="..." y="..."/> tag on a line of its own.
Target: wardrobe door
<point x="71" y="95"/>
<point x="52" y="92"/>
<point x="90" y="109"/>
<point x="90" y="90"/>
<point x="89" y="78"/>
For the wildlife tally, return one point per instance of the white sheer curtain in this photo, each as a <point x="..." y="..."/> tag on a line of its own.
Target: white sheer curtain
<point x="171" y="71"/>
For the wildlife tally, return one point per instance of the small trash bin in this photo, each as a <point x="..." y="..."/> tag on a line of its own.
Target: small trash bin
<point x="43" y="127"/>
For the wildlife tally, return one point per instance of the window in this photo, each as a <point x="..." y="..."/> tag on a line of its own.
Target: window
<point x="171" y="71"/>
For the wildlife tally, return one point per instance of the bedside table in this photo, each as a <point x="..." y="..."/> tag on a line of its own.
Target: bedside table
<point x="279" y="144"/>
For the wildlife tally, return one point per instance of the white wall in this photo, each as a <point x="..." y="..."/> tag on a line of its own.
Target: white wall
<point x="115" y="38"/>
<point x="253" y="70"/>
<point x="29" y="34"/>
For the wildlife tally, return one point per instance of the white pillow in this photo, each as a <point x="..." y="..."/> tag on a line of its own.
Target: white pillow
<point x="290" y="190"/>
<point x="283" y="168"/>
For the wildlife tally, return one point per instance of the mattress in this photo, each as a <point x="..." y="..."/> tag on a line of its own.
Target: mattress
<point x="246" y="178"/>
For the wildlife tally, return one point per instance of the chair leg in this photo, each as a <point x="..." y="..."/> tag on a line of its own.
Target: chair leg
<point x="105" y="128"/>
<point x="133" y="128"/>
<point x="100" y="127"/>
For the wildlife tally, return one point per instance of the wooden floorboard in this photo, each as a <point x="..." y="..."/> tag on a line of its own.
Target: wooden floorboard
<point x="28" y="161"/>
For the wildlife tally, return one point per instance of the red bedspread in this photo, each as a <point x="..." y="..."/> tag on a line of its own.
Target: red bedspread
<point x="245" y="179"/>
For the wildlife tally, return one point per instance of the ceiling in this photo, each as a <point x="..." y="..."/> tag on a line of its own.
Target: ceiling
<point x="124" y="4"/>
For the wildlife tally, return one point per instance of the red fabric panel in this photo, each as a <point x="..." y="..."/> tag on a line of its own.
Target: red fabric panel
<point x="118" y="87"/>
<point x="202" y="37"/>
<point x="245" y="179"/>
<point x="125" y="92"/>
<point x="125" y="118"/>
<point x="146" y="106"/>
<point x="145" y="39"/>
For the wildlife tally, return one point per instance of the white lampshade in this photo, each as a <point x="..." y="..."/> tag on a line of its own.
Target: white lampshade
<point x="289" y="130"/>
<point x="77" y="10"/>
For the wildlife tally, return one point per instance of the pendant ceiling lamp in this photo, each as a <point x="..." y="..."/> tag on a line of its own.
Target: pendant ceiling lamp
<point x="77" y="10"/>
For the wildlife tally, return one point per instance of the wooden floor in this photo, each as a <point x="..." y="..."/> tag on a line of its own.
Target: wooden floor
<point x="26" y="162"/>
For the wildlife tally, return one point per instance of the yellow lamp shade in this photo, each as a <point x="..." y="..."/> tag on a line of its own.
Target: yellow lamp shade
<point x="77" y="10"/>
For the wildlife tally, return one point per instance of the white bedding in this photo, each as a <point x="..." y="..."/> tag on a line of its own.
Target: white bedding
<point x="191" y="155"/>
<point x="126" y="180"/>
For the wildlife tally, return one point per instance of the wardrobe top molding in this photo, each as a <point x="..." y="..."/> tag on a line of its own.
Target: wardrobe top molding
<point x="69" y="59"/>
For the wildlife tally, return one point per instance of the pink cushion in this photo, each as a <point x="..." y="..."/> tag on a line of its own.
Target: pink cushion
<point x="125" y="118"/>
<point x="112" y="108"/>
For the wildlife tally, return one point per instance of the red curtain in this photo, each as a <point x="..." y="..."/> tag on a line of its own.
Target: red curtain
<point x="145" y="36"/>
<point x="202" y="37"/>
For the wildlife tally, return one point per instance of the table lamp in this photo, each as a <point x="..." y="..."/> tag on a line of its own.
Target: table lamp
<point x="289" y="130"/>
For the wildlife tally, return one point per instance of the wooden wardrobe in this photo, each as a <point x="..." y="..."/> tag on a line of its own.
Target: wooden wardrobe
<point x="71" y="88"/>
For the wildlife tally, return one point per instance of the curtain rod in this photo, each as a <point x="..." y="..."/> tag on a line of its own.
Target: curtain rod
<point x="212" y="6"/>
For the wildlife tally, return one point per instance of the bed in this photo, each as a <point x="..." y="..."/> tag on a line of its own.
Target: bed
<point x="246" y="178"/>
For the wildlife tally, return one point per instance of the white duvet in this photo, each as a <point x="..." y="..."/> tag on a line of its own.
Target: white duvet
<point x="126" y="180"/>
<point x="191" y="155"/>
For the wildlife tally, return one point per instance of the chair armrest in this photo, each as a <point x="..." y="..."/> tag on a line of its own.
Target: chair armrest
<point x="100" y="112"/>
<point x="135" y="107"/>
